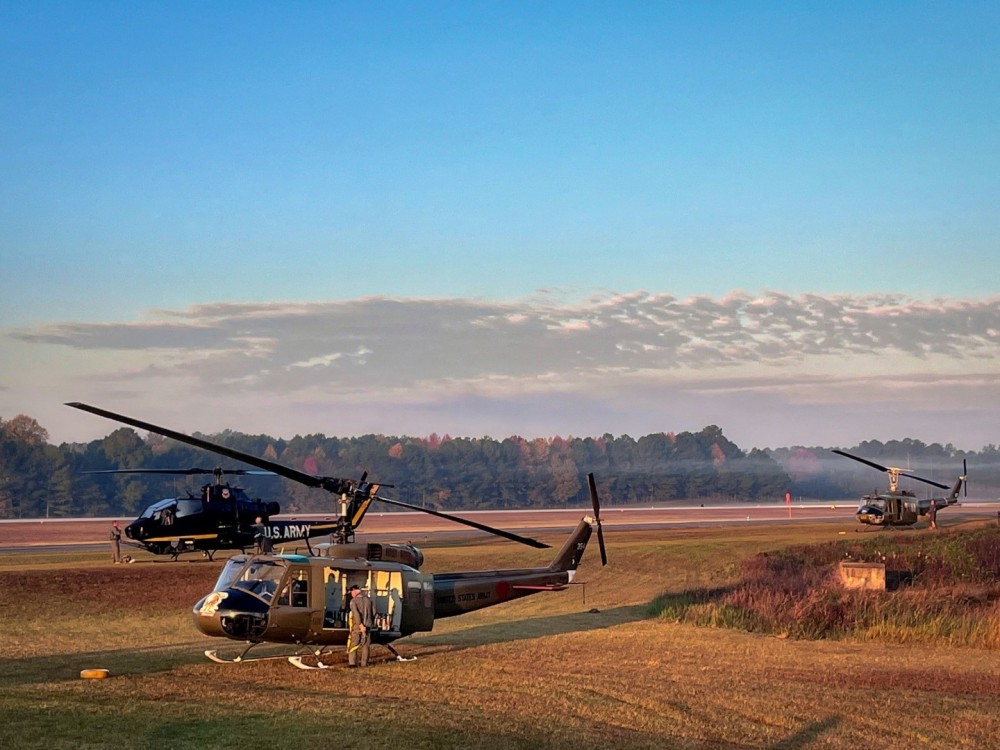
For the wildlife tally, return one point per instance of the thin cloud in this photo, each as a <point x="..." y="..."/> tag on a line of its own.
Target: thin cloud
<point x="611" y="352"/>
<point x="395" y="341"/>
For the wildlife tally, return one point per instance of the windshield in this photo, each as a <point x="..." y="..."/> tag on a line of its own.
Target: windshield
<point x="232" y="569"/>
<point x="259" y="577"/>
<point x="148" y="513"/>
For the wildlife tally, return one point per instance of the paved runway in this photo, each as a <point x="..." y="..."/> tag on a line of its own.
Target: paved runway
<point x="53" y="534"/>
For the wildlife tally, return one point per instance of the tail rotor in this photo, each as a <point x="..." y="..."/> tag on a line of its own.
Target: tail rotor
<point x="597" y="518"/>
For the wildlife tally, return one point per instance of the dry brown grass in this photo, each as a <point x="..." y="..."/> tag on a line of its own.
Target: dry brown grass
<point x="540" y="672"/>
<point x="945" y="589"/>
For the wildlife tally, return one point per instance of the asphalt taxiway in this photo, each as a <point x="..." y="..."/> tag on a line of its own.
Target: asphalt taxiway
<point x="40" y="535"/>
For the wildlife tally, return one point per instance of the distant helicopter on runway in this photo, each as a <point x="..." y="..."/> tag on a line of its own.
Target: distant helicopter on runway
<point x="226" y="522"/>
<point x="221" y="517"/>
<point x="899" y="507"/>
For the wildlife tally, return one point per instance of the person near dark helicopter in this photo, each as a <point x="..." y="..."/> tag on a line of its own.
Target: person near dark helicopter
<point x="116" y="542"/>
<point x="362" y="620"/>
<point x="261" y="541"/>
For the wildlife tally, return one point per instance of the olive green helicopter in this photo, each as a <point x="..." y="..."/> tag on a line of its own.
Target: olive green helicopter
<point x="900" y="507"/>
<point x="302" y="600"/>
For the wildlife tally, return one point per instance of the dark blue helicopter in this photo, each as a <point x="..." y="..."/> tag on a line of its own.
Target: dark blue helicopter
<point x="224" y="517"/>
<point x="221" y="517"/>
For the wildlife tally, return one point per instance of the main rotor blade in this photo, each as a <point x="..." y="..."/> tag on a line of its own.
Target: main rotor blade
<point x="233" y="472"/>
<point x="874" y="465"/>
<point x="474" y="524"/>
<point x="880" y="467"/>
<point x="926" y="481"/>
<point x="330" y="484"/>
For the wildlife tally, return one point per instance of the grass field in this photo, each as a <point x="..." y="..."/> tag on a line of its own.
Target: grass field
<point x="556" y="670"/>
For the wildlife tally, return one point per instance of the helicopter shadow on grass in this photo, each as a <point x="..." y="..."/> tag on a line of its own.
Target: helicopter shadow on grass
<point x="528" y="628"/>
<point x="806" y="736"/>
<point x="266" y="725"/>
<point x="539" y="627"/>
<point x="33" y="670"/>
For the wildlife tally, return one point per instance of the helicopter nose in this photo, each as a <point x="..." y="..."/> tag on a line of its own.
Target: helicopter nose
<point x="231" y="614"/>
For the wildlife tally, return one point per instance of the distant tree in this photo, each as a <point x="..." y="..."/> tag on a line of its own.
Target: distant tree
<point x="32" y="473"/>
<point x="461" y="473"/>
<point x="25" y="430"/>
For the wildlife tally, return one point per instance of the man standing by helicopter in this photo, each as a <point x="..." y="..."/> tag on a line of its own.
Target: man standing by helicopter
<point x="362" y="620"/>
<point x="116" y="542"/>
<point x="261" y="541"/>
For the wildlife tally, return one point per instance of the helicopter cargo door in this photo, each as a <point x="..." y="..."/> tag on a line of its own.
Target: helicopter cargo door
<point x="419" y="612"/>
<point x="290" y="613"/>
<point x="387" y="593"/>
<point x="335" y="594"/>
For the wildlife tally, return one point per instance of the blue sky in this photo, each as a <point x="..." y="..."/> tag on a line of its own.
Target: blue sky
<point x="524" y="162"/>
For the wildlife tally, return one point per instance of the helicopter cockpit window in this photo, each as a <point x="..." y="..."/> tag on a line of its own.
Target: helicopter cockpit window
<point x="295" y="592"/>
<point x="157" y="508"/>
<point x="232" y="569"/>
<point x="260" y="578"/>
<point x="188" y="507"/>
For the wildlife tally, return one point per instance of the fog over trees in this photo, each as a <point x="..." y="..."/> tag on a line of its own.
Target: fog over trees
<point x="39" y="480"/>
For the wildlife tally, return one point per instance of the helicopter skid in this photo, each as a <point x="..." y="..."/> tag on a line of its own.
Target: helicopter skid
<point x="241" y="659"/>
<point x="296" y="661"/>
<point x="399" y="657"/>
<point x="214" y="656"/>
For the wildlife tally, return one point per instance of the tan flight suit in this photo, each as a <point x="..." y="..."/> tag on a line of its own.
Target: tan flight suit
<point x="362" y="620"/>
<point x="116" y="542"/>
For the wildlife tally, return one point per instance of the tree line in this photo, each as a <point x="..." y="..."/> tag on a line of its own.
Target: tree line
<point x="39" y="479"/>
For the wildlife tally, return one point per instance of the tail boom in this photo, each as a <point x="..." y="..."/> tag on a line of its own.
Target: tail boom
<point x="457" y="593"/>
